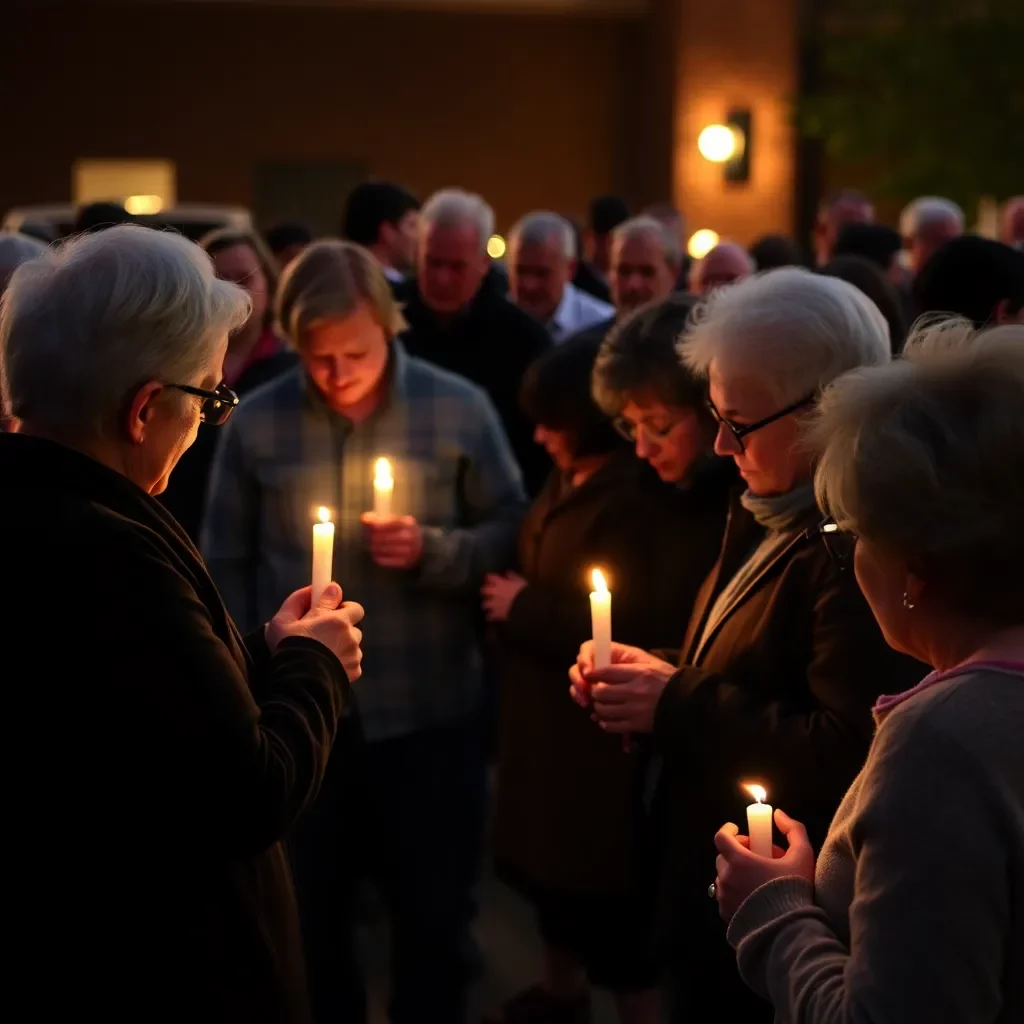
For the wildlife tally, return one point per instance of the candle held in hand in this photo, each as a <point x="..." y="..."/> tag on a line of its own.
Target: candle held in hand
<point x="601" y="619"/>
<point x="323" y="553"/>
<point x="759" y="822"/>
<point x="383" y="488"/>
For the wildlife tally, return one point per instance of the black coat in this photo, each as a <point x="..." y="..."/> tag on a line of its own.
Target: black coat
<point x="589" y="280"/>
<point x="780" y="692"/>
<point x="568" y="808"/>
<point x="157" y="761"/>
<point x="491" y="343"/>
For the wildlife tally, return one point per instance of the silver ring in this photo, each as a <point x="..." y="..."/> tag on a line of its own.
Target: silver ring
<point x="712" y="891"/>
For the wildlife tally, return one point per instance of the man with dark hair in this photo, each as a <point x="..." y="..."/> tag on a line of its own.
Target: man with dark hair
<point x="838" y="210"/>
<point x="875" y="242"/>
<point x="606" y="214"/>
<point x="770" y="252"/>
<point x="288" y="240"/>
<point x="384" y="218"/>
<point x="976" y="278"/>
<point x="97" y="216"/>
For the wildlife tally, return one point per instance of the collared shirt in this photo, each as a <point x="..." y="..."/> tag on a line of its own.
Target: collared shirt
<point x="576" y="312"/>
<point x="285" y="452"/>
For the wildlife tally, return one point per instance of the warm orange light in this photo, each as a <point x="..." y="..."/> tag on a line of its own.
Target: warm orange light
<point x="382" y="474"/>
<point x="324" y="514"/>
<point x="759" y="793"/>
<point x="600" y="584"/>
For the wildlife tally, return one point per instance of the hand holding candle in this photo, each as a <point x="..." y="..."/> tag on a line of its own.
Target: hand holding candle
<point x="383" y="488"/>
<point x="323" y="553"/>
<point x="759" y="822"/>
<point x="601" y="619"/>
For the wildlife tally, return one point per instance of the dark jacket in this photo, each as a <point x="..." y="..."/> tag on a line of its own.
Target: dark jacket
<point x="185" y="497"/>
<point x="589" y="280"/>
<point x="595" y="334"/>
<point x="779" y="693"/>
<point x="158" y="761"/>
<point x="491" y="343"/>
<point x="568" y="807"/>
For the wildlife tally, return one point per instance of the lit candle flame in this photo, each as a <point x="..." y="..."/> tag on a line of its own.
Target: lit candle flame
<point x="599" y="582"/>
<point x="382" y="473"/>
<point x="324" y="514"/>
<point x="759" y="793"/>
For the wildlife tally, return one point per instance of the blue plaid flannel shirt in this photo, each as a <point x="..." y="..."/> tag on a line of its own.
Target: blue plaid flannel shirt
<point x="285" y="453"/>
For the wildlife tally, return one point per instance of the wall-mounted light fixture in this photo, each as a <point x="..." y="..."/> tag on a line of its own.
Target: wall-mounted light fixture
<point x="701" y="243"/>
<point x="496" y="247"/>
<point x="729" y="144"/>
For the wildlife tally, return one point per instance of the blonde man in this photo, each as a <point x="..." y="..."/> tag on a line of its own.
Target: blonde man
<point x="410" y="802"/>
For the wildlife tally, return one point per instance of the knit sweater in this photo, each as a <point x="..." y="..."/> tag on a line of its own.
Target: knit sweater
<point x="916" y="914"/>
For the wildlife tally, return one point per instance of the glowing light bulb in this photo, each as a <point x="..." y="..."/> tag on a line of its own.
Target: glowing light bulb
<point x="702" y="242"/>
<point x="719" y="143"/>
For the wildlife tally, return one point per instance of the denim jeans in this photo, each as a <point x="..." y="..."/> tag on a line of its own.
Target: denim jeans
<point x="408" y="813"/>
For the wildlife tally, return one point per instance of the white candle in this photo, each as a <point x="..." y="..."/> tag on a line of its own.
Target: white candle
<point x="759" y="822"/>
<point x="601" y="619"/>
<point x="323" y="553"/>
<point x="383" y="488"/>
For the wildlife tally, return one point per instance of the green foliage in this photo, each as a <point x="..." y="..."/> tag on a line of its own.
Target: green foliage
<point x="929" y="94"/>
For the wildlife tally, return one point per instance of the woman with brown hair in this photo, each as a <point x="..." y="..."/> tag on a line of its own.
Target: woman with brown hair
<point x="256" y="355"/>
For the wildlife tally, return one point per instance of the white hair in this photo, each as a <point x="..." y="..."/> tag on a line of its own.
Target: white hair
<point x="794" y="330"/>
<point x="16" y="249"/>
<point x="929" y="211"/>
<point x="86" y="324"/>
<point x="542" y="227"/>
<point x="926" y="457"/>
<point x="646" y="226"/>
<point x="451" y="207"/>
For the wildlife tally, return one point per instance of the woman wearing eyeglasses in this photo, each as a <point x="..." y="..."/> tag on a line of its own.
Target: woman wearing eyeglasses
<point x="915" y="909"/>
<point x="782" y="660"/>
<point x="157" y="758"/>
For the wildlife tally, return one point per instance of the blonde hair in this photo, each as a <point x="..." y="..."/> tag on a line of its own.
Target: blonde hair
<point x="329" y="281"/>
<point x="925" y="457"/>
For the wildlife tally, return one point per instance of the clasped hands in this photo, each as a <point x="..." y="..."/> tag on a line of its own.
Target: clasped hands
<point x="622" y="696"/>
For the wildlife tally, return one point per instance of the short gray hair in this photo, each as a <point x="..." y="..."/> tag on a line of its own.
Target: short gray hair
<point x="926" y="458"/>
<point x="542" y="227"/>
<point x="16" y="249"/>
<point x="85" y="324"/>
<point x="646" y="226"/>
<point x="796" y="330"/>
<point x="452" y="207"/>
<point x="926" y="212"/>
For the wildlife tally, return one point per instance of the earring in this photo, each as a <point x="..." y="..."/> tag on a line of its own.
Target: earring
<point x="907" y="603"/>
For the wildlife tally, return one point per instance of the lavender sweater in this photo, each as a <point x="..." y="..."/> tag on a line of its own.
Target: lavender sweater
<point x="916" y="915"/>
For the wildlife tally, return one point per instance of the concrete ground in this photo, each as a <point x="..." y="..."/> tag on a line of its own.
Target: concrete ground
<point x="511" y="952"/>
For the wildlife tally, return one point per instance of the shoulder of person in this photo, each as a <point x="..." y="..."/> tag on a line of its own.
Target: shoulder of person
<point x="979" y="712"/>
<point x="425" y="380"/>
<point x="284" y="389"/>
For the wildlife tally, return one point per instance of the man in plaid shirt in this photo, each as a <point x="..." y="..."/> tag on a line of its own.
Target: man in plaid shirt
<point x="309" y="439"/>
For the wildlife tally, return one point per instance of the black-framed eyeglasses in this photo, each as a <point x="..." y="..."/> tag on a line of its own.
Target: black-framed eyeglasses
<point x="740" y="430"/>
<point x="839" y="543"/>
<point x="629" y="430"/>
<point x="217" y="405"/>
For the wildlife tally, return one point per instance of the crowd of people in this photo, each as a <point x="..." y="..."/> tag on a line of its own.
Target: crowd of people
<point x="803" y="485"/>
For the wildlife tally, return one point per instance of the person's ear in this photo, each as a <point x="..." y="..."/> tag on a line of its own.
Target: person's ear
<point x="140" y="412"/>
<point x="914" y="588"/>
<point x="1001" y="313"/>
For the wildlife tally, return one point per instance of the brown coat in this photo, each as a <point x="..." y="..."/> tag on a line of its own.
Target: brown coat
<point x="780" y="692"/>
<point x="568" y="813"/>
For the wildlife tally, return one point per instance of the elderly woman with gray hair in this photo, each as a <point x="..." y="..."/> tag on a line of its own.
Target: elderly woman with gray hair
<point x="163" y="756"/>
<point x="915" y="910"/>
<point x="782" y="660"/>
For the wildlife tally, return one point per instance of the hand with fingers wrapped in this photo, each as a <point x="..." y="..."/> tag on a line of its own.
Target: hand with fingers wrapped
<point x="624" y="695"/>
<point x="395" y="542"/>
<point x="740" y="871"/>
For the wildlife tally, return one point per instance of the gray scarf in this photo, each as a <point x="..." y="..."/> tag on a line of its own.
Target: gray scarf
<point x="778" y="515"/>
<point x="780" y="511"/>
